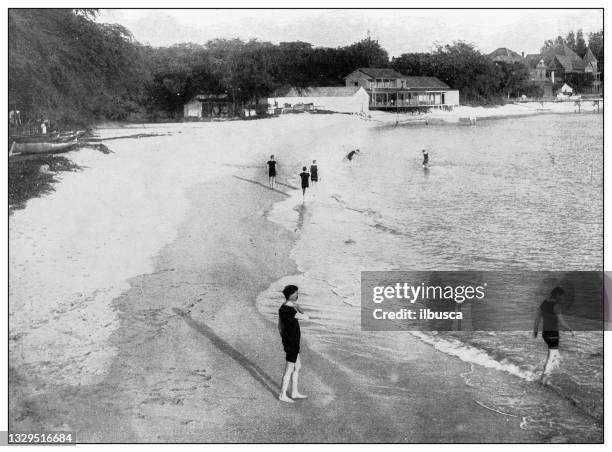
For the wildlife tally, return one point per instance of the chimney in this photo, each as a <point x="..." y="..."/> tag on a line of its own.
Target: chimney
<point x="523" y="54"/>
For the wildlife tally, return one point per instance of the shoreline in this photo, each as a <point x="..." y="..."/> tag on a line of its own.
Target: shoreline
<point x="123" y="406"/>
<point x="192" y="348"/>
<point x="462" y="114"/>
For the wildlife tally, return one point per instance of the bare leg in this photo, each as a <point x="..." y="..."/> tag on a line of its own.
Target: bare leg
<point x="286" y="377"/>
<point x="295" y="393"/>
<point x="544" y="376"/>
<point x="552" y="362"/>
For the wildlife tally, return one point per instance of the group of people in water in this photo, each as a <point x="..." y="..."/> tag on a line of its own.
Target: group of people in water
<point x="313" y="176"/>
<point x="548" y="314"/>
<point x="305" y="176"/>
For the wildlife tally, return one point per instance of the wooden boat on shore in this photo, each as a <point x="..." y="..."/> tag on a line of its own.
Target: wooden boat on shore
<point x="40" y="147"/>
<point x="57" y="137"/>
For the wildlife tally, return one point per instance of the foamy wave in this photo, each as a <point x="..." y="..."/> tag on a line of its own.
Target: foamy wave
<point x="473" y="355"/>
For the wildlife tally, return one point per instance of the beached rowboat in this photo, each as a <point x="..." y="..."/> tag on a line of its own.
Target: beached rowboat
<point x="40" y="148"/>
<point x="57" y="137"/>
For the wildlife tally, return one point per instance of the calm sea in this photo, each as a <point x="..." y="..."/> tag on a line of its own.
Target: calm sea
<point x="511" y="194"/>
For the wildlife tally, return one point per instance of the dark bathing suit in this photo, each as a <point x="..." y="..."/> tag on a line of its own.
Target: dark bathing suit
<point x="290" y="332"/>
<point x="351" y="154"/>
<point x="425" y="159"/>
<point x="304" y="177"/>
<point x="314" y="173"/>
<point x="271" y="168"/>
<point x="550" y="324"/>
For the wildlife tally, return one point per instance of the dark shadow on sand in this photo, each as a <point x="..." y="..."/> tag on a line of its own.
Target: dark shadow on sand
<point x="287" y="185"/>
<point x="256" y="372"/>
<point x="264" y="186"/>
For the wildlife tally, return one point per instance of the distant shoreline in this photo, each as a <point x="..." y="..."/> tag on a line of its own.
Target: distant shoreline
<point x="463" y="113"/>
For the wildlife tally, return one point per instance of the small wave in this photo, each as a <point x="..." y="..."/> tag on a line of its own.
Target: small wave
<point x="374" y="216"/>
<point x="385" y="228"/>
<point x="474" y="355"/>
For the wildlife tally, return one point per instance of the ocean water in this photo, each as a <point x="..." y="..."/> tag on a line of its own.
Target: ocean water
<point x="512" y="194"/>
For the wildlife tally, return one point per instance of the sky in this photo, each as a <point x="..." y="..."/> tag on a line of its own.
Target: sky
<point x="398" y="31"/>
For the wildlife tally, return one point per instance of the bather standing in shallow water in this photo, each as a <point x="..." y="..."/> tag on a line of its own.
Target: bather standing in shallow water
<point x="425" y="159"/>
<point x="549" y="312"/>
<point x="289" y="328"/>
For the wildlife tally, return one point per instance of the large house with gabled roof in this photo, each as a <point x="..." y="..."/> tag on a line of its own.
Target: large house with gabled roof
<point x="553" y="66"/>
<point x="391" y="90"/>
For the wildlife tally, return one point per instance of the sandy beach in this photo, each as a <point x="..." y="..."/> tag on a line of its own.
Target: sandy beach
<point x="189" y="358"/>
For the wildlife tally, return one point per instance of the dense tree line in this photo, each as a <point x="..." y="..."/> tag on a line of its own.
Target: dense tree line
<point x="462" y="67"/>
<point x="66" y="66"/>
<point x="248" y="71"/>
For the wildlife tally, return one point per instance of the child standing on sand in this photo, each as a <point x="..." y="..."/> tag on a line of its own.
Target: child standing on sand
<point x="271" y="171"/>
<point x="289" y="328"/>
<point x="549" y="312"/>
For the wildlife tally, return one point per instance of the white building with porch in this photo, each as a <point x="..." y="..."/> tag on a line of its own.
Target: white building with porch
<point x="391" y="90"/>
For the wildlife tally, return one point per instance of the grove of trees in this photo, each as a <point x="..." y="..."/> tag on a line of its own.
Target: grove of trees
<point x="66" y="66"/>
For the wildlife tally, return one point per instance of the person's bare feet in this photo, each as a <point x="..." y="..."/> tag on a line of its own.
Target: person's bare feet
<point x="284" y="398"/>
<point x="297" y="395"/>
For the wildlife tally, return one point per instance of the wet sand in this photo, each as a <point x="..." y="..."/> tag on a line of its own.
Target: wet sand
<point x="196" y="362"/>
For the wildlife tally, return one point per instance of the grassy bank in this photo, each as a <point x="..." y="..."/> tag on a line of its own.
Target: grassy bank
<point x="32" y="176"/>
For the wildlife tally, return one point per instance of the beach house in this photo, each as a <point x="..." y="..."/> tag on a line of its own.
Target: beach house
<point x="341" y="99"/>
<point x="208" y="105"/>
<point x="391" y="90"/>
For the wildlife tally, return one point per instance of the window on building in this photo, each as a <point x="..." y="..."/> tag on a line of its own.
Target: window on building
<point x="355" y="83"/>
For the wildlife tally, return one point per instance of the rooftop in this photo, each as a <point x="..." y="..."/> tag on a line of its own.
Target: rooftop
<point x="323" y="91"/>
<point x="506" y="55"/>
<point x="424" y="82"/>
<point x="380" y="72"/>
<point x="589" y="57"/>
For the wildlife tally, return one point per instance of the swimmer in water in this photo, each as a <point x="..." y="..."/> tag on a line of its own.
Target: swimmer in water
<point x="425" y="158"/>
<point x="352" y="154"/>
